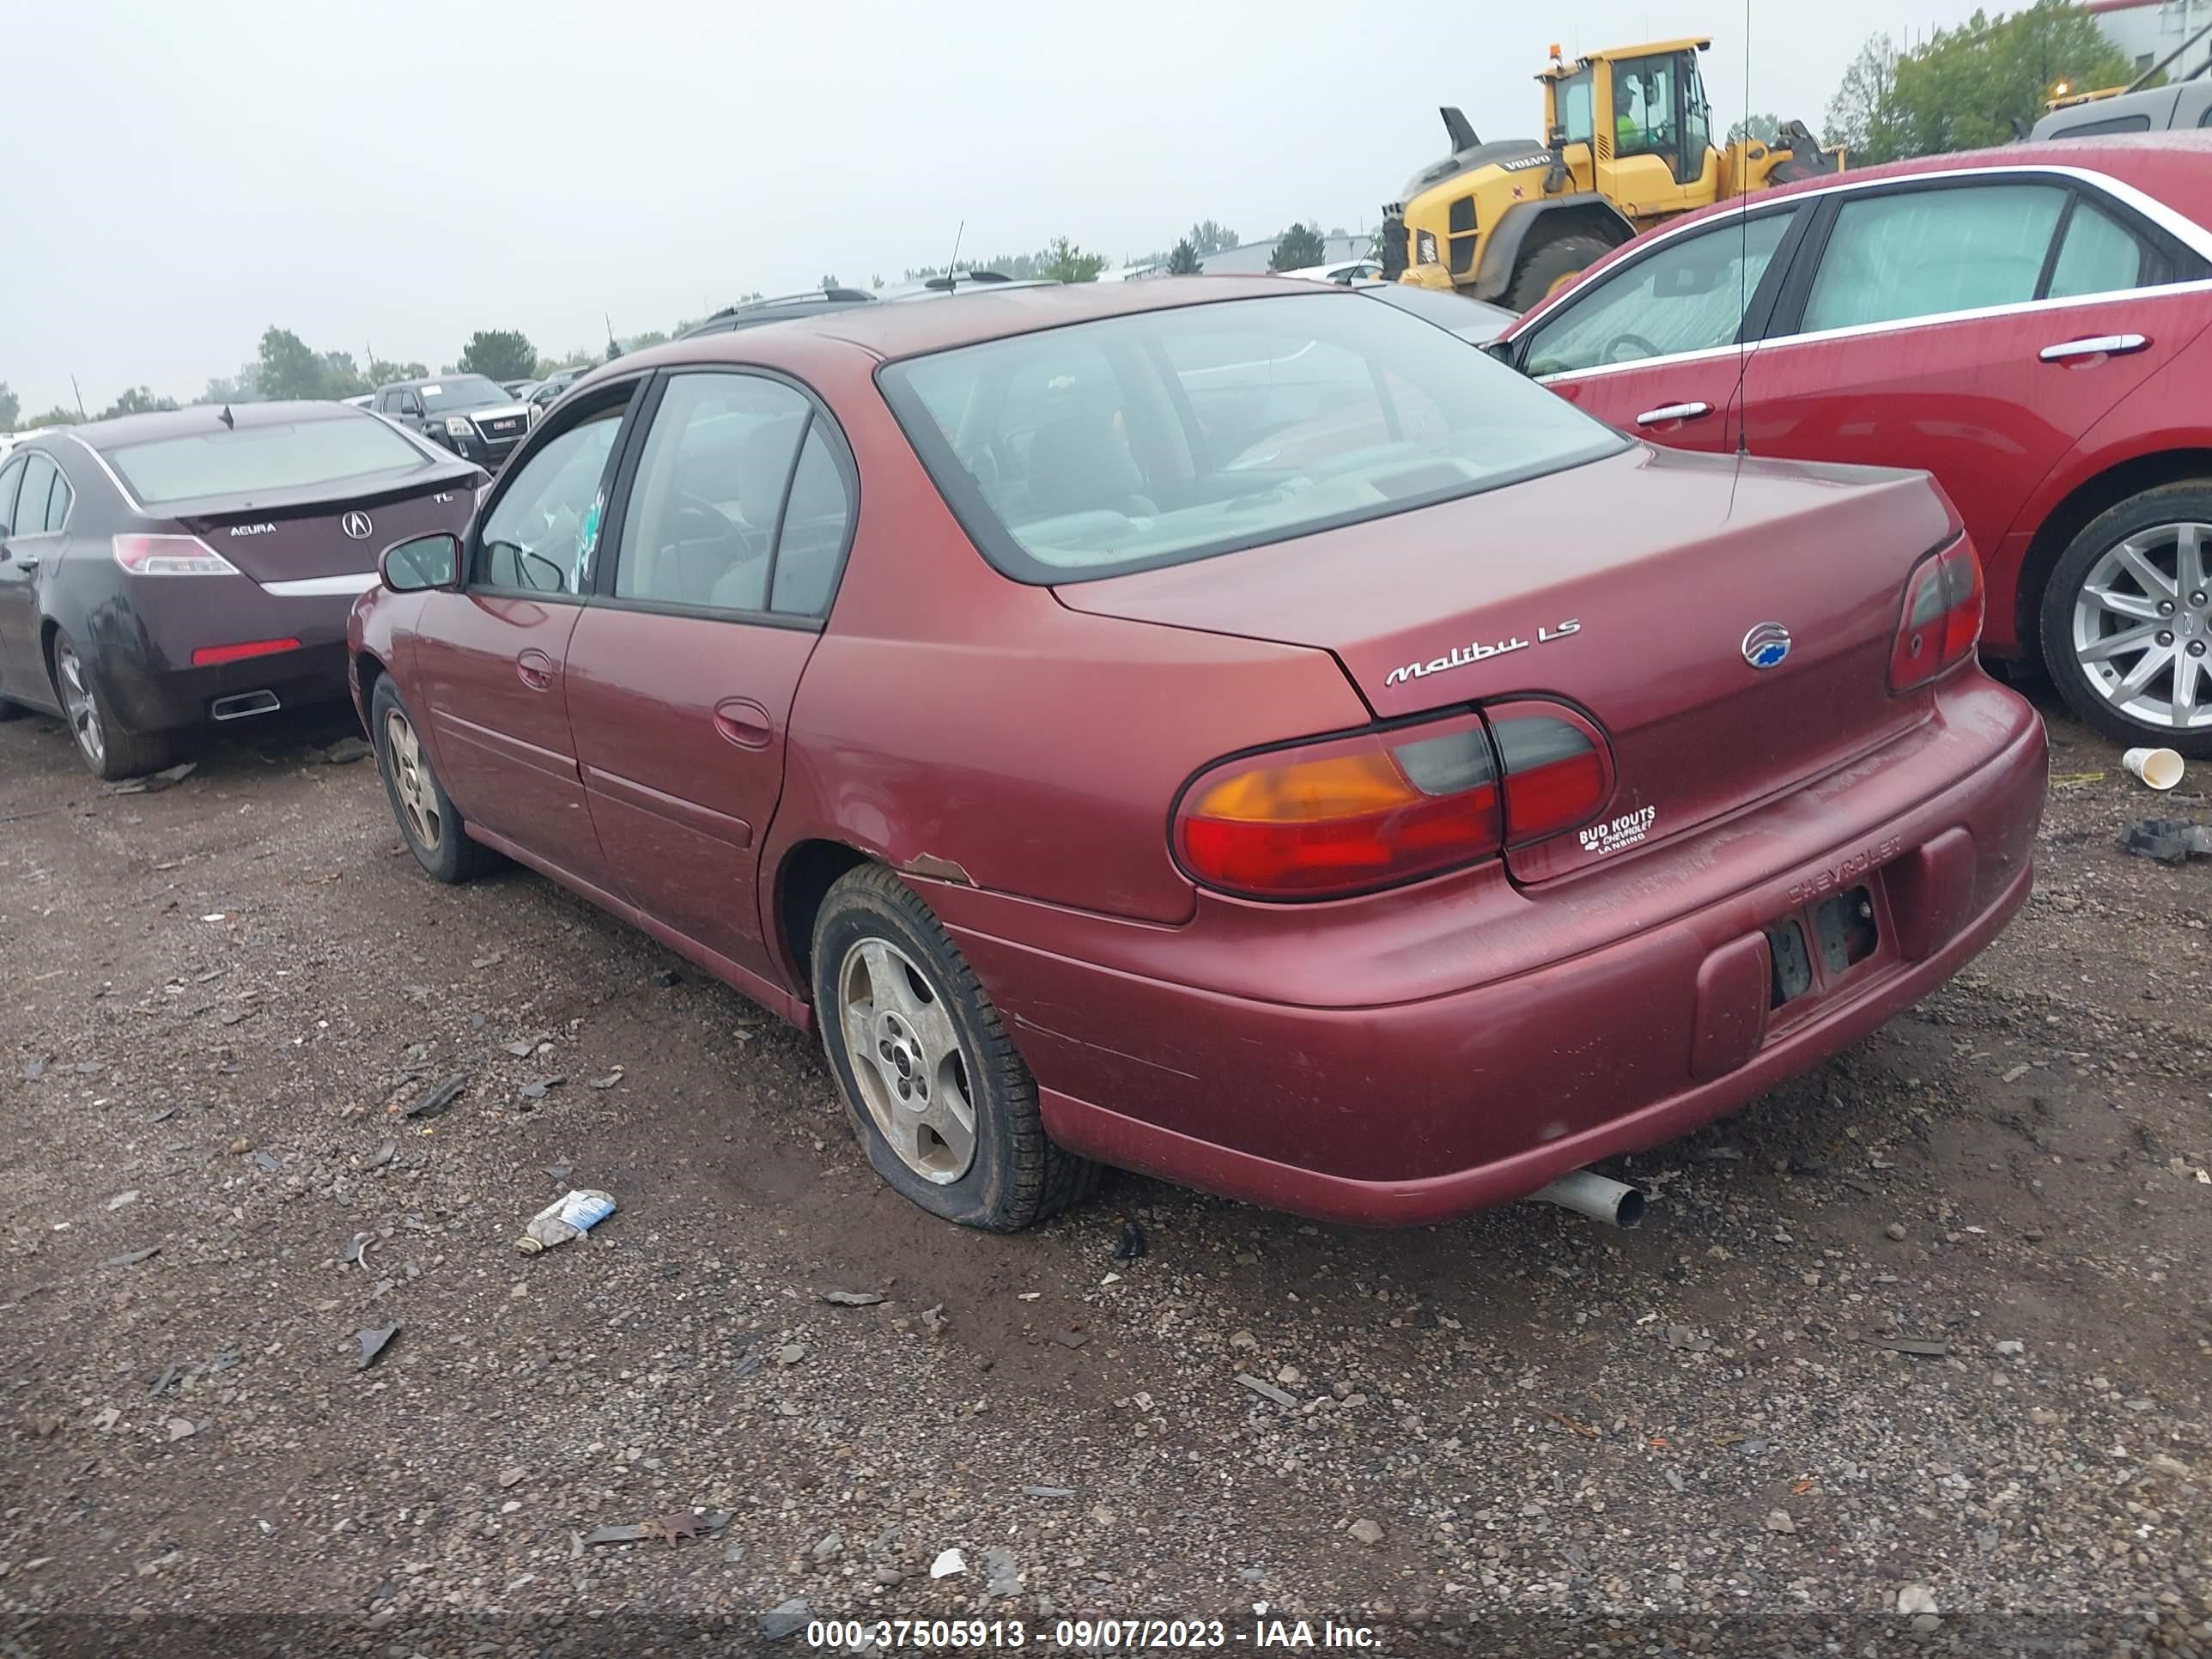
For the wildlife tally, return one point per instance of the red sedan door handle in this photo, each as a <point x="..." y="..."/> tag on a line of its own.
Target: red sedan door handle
<point x="1670" y="412"/>
<point x="2103" y="345"/>
<point x="744" y="722"/>
<point x="536" y="669"/>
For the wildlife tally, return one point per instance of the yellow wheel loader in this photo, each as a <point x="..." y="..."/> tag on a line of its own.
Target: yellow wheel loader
<point x="1628" y="142"/>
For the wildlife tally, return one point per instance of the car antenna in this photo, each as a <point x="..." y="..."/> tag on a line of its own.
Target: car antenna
<point x="1743" y="263"/>
<point x="952" y="281"/>
<point x="226" y="418"/>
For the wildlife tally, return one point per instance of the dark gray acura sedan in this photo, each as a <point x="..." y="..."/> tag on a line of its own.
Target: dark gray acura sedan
<point x="163" y="573"/>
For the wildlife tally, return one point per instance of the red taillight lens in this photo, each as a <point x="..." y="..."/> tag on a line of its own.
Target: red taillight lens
<point x="1942" y="618"/>
<point x="1559" y="770"/>
<point x="207" y="656"/>
<point x="170" y="556"/>
<point x="1331" y="819"/>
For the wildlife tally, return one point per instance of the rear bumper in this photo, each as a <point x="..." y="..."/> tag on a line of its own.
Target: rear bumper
<point x="1601" y="1014"/>
<point x="160" y="700"/>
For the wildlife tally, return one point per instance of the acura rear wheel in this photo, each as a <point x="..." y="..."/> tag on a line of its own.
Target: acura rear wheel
<point x="2127" y="620"/>
<point x="939" y="1098"/>
<point x="108" y="748"/>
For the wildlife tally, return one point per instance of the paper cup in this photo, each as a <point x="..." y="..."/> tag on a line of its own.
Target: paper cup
<point x="2159" y="769"/>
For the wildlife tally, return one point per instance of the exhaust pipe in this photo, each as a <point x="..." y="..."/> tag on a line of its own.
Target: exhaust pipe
<point x="1602" y="1199"/>
<point x="237" y="707"/>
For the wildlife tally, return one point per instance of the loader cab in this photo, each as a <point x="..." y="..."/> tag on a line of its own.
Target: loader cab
<point x="1644" y="118"/>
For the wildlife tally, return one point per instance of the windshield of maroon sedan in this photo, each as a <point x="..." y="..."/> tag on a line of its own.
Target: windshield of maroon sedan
<point x="254" y="459"/>
<point x="1166" y="435"/>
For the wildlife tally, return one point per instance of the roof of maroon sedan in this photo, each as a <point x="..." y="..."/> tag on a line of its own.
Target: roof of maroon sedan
<point x="904" y="331"/>
<point x="202" y="418"/>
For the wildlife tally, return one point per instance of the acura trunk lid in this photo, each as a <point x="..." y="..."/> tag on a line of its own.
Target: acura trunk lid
<point x="305" y="534"/>
<point x="1728" y="624"/>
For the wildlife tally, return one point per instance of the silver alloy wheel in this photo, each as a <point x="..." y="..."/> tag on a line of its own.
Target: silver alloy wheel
<point x="2143" y="627"/>
<point x="906" y="1059"/>
<point x="411" y="782"/>
<point x="77" y="702"/>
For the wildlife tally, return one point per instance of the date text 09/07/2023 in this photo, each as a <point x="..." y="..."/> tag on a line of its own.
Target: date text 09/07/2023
<point x="1085" y="1635"/>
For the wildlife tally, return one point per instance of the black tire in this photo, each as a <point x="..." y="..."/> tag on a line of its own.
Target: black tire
<point x="111" y="750"/>
<point x="1017" y="1175"/>
<point x="2187" y="502"/>
<point x="1549" y="263"/>
<point x="11" y="711"/>
<point x="440" y="842"/>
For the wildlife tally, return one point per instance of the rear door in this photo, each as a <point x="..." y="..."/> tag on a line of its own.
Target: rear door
<point x="1973" y="324"/>
<point x="22" y="524"/>
<point x="492" y="658"/>
<point x="734" y="517"/>
<point x="1652" y="342"/>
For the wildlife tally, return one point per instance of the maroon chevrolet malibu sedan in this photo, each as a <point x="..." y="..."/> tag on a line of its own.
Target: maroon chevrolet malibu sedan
<point x="1244" y="735"/>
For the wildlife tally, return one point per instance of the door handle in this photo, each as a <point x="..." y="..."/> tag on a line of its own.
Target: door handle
<point x="2104" y="345"/>
<point x="536" y="669"/>
<point x="1666" y="412"/>
<point x="744" y="722"/>
<point x="26" y="561"/>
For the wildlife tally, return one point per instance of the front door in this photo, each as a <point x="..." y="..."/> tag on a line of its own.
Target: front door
<point x="682" y="672"/>
<point x="1651" y="345"/>
<point x="21" y="673"/>
<point x="492" y="658"/>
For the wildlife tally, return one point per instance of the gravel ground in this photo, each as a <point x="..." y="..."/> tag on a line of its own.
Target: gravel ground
<point x="1924" y="1333"/>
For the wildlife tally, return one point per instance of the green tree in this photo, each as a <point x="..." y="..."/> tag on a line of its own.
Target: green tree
<point x="1067" y="263"/>
<point x="384" y="373"/>
<point x="499" y="354"/>
<point x="1296" y="249"/>
<point x="136" y="400"/>
<point x="1974" y="85"/>
<point x="10" y="407"/>
<point x="243" y="387"/>
<point x="829" y="281"/>
<point x="1763" y="128"/>
<point x="652" y="336"/>
<point x="288" y="369"/>
<point x="1183" y="262"/>
<point x="341" y="379"/>
<point x="1207" y="236"/>
<point x="59" y="415"/>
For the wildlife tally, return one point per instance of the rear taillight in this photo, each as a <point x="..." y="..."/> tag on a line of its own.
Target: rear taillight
<point x="1941" y="619"/>
<point x="1559" y="770"/>
<point x="210" y="656"/>
<point x="1346" y="815"/>
<point x="1351" y="815"/>
<point x="170" y="556"/>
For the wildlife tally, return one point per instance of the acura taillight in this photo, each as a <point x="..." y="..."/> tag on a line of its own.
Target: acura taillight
<point x="170" y="556"/>
<point x="1941" y="619"/>
<point x="1351" y="815"/>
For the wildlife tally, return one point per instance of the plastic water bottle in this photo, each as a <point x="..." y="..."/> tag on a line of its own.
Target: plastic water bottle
<point x="569" y="1216"/>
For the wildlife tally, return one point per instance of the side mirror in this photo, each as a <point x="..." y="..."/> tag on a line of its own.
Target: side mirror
<point x="425" y="562"/>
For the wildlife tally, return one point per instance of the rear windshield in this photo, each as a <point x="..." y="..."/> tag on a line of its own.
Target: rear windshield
<point x="253" y="460"/>
<point x="1133" y="441"/>
<point x="441" y="395"/>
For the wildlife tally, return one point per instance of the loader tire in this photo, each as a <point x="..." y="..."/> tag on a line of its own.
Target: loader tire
<point x="1553" y="265"/>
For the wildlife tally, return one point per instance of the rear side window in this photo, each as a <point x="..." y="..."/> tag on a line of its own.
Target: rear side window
<point x="256" y="459"/>
<point x="699" y="529"/>
<point x="2110" y="124"/>
<point x="1921" y="253"/>
<point x="2099" y="255"/>
<point x="39" y="474"/>
<point x="58" y="503"/>
<point x="1689" y="295"/>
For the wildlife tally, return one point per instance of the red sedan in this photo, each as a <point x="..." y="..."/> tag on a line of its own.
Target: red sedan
<point x="1014" y="689"/>
<point x="2028" y="323"/>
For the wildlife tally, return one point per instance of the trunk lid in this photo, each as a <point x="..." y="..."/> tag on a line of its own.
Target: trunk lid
<point x="303" y="535"/>
<point x="1628" y="588"/>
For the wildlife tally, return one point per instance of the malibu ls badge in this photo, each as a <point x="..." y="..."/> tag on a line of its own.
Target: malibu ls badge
<point x="1462" y="656"/>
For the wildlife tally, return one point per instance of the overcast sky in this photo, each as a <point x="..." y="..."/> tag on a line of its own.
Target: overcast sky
<point x="397" y="175"/>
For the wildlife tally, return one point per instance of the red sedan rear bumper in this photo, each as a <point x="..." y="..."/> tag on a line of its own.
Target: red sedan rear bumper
<point x="1274" y="1053"/>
